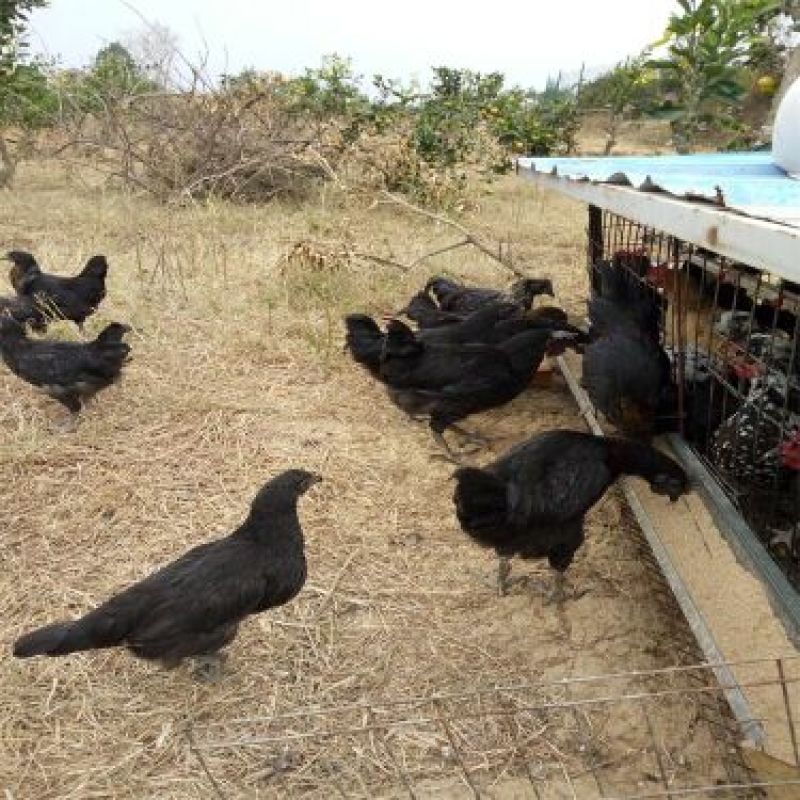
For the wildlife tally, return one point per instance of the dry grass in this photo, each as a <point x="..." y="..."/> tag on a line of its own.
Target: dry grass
<point x="238" y="373"/>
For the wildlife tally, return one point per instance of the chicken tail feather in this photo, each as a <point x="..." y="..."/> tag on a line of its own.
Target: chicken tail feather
<point x="57" y="639"/>
<point x="481" y="502"/>
<point x="364" y="340"/>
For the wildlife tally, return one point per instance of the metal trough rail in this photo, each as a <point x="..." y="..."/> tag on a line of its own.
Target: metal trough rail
<point x="739" y="705"/>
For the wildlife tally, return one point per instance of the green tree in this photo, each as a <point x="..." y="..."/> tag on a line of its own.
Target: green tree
<point x="448" y="115"/>
<point x="29" y="98"/>
<point x="113" y="77"/>
<point x="708" y="44"/>
<point x="332" y="89"/>
<point x="629" y="88"/>
<point x="115" y="73"/>
<point x="13" y="20"/>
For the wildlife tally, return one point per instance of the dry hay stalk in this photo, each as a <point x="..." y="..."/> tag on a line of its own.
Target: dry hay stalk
<point x="237" y="373"/>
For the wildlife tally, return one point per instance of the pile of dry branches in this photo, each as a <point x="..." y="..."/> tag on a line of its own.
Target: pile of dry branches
<point x="246" y="147"/>
<point x="252" y="143"/>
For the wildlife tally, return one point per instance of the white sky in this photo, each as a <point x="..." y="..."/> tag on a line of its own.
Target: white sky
<point x="527" y="41"/>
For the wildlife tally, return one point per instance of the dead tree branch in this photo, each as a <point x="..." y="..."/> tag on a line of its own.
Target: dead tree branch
<point x="469" y="237"/>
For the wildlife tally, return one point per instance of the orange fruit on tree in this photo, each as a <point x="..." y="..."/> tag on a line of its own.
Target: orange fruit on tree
<point x="767" y="85"/>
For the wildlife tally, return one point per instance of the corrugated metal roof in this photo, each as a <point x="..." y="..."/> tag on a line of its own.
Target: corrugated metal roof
<point x="746" y="182"/>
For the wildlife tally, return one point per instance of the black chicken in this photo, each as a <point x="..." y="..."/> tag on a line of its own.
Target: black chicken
<point x="729" y="296"/>
<point x="496" y="322"/>
<point x="449" y="382"/>
<point x="626" y="371"/>
<point x="770" y="316"/>
<point x="532" y="502"/>
<point x="478" y="327"/>
<point x="706" y="401"/>
<point x="24" y="311"/>
<point x="70" y="372"/>
<point x="192" y="607"/>
<point x="456" y="297"/>
<point x="423" y="310"/>
<point x="629" y="379"/>
<point x="620" y="302"/>
<point x="365" y="341"/>
<point x="489" y="325"/>
<point x="73" y="298"/>
<point x="628" y="265"/>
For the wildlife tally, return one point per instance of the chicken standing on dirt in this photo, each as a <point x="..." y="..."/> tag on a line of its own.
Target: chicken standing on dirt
<point x="451" y="382"/>
<point x="456" y="298"/>
<point x="70" y="372"/>
<point x="192" y="607"/>
<point x="490" y="325"/>
<point x="73" y="298"/>
<point x="532" y="502"/>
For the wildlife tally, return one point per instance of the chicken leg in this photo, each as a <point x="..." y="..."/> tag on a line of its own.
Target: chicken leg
<point x="471" y="436"/>
<point x="503" y="571"/>
<point x="562" y="591"/>
<point x="558" y="593"/>
<point x="208" y="668"/>
<point x="449" y="454"/>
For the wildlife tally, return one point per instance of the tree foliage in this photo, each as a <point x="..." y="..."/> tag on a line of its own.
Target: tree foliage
<point x="708" y="44"/>
<point x="412" y="134"/>
<point x="13" y="19"/>
<point x="113" y="76"/>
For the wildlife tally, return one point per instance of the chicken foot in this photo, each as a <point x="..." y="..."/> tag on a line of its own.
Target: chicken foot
<point x="471" y="436"/>
<point x="208" y="668"/>
<point x="457" y="457"/>
<point x="562" y="591"/>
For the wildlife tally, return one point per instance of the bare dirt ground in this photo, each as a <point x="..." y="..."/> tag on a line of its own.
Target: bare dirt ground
<point x="238" y="373"/>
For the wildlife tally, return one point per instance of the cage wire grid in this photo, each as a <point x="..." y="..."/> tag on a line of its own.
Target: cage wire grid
<point x="731" y="333"/>
<point x="579" y="737"/>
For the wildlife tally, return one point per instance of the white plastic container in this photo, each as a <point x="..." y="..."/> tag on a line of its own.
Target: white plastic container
<point x="786" y="132"/>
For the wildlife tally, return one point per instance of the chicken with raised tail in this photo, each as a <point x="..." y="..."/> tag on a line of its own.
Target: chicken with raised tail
<point x="532" y="501"/>
<point x="74" y="298"/>
<point x="449" y="382"/>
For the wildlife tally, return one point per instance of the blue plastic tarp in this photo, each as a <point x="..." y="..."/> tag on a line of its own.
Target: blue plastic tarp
<point x="747" y="182"/>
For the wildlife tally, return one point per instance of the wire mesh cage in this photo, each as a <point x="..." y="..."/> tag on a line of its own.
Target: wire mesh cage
<point x="633" y="735"/>
<point x="730" y="331"/>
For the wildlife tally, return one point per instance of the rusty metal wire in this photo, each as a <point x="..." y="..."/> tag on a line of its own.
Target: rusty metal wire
<point x="606" y="736"/>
